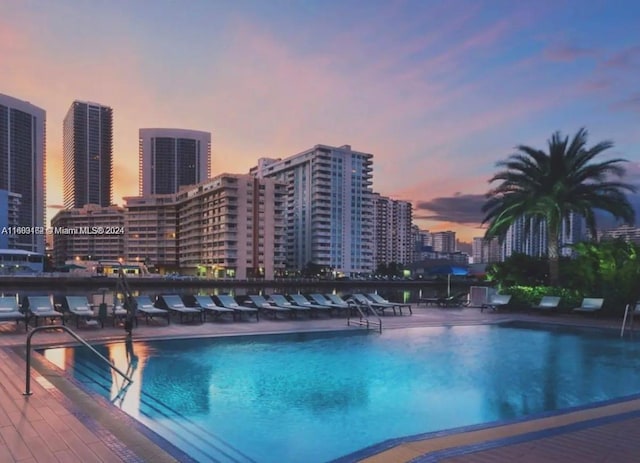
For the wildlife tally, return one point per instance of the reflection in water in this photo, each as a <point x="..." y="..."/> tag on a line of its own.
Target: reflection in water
<point x="264" y="394"/>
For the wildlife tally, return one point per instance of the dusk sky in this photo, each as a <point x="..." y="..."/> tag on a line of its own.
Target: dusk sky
<point x="437" y="91"/>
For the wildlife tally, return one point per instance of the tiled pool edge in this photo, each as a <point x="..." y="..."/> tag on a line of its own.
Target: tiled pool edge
<point x="107" y="421"/>
<point x="382" y="452"/>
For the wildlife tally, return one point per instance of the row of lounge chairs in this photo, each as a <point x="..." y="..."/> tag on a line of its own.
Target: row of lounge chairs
<point x="547" y="304"/>
<point x="195" y="308"/>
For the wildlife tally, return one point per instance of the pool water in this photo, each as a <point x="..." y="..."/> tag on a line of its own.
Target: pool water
<point x="317" y="397"/>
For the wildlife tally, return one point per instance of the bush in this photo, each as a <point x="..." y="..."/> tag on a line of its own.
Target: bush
<point x="523" y="297"/>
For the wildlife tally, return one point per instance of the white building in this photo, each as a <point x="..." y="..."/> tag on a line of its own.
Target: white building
<point x="172" y="158"/>
<point x="22" y="165"/>
<point x="329" y="208"/>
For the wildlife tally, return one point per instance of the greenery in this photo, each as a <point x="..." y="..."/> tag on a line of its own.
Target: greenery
<point x="545" y="188"/>
<point x="524" y="297"/>
<point x="609" y="269"/>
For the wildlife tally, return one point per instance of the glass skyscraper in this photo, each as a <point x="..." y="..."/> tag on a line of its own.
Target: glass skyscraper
<point x="172" y="158"/>
<point x="22" y="166"/>
<point x="88" y="155"/>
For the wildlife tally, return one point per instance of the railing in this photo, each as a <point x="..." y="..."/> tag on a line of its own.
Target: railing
<point x="77" y="338"/>
<point x="364" y="318"/>
<point x="629" y="313"/>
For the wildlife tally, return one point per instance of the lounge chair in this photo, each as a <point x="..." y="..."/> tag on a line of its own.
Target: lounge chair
<point x="547" y="304"/>
<point x="375" y="297"/>
<point x="79" y="307"/>
<point x="281" y="301"/>
<point x="339" y="302"/>
<point x="324" y="300"/>
<point x="374" y="307"/>
<point x="230" y="303"/>
<point x="41" y="307"/>
<point x="590" y="305"/>
<point x="208" y="306"/>
<point x="149" y="310"/>
<point x="299" y="299"/>
<point x="10" y="310"/>
<point x="430" y="301"/>
<point x="173" y="303"/>
<point x="457" y="300"/>
<point x="496" y="302"/>
<point x="262" y="304"/>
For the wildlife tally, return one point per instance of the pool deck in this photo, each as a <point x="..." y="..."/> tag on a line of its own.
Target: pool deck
<point x="60" y="422"/>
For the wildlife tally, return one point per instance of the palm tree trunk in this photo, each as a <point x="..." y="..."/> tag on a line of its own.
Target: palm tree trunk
<point x="554" y="258"/>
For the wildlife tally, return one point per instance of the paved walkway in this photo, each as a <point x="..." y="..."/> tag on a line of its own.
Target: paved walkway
<point x="61" y="423"/>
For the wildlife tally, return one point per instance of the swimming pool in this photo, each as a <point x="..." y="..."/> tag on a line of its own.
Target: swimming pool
<point x="317" y="396"/>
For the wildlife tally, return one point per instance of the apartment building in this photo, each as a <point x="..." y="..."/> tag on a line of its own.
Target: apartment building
<point x="232" y="226"/>
<point x="329" y="207"/>
<point x="392" y="231"/>
<point x="22" y="167"/>
<point x="172" y="158"/>
<point x="88" y="233"/>
<point x="444" y="241"/>
<point x="151" y="224"/>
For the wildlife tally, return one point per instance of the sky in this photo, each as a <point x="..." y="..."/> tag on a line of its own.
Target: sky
<point x="437" y="91"/>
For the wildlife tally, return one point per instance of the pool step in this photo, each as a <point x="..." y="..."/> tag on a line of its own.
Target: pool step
<point x="190" y="437"/>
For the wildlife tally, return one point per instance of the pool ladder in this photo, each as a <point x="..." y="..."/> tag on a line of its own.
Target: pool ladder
<point x="363" y="318"/>
<point x="27" y="391"/>
<point x="629" y="312"/>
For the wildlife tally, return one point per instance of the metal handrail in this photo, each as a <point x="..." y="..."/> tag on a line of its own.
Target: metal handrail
<point x="77" y="338"/>
<point x="355" y="304"/>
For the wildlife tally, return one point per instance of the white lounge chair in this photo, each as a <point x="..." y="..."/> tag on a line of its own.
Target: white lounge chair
<point x="590" y="305"/>
<point x="149" y="310"/>
<point x="41" y="307"/>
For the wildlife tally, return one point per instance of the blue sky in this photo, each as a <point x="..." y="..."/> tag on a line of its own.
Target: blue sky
<point x="438" y="91"/>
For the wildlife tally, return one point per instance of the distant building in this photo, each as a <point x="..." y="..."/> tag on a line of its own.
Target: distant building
<point x="628" y="233"/>
<point x="392" y="231"/>
<point x="172" y="158"/>
<point x="531" y="238"/>
<point x="486" y="251"/>
<point x="22" y="167"/>
<point x="89" y="233"/>
<point x="444" y="241"/>
<point x="87" y="155"/>
<point x="151" y="224"/>
<point x="329" y="208"/>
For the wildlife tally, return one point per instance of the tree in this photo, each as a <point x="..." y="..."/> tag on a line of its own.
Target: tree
<point x="545" y="188"/>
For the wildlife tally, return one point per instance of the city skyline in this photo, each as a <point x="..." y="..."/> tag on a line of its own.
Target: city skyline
<point x="436" y="92"/>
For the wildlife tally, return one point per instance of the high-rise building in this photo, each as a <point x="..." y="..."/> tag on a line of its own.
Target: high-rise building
<point x="171" y="158"/>
<point x="22" y="166"/>
<point x="231" y="226"/>
<point x="392" y="231"/>
<point x="444" y="241"/>
<point x="531" y="237"/>
<point x="329" y="208"/>
<point x="88" y="155"/>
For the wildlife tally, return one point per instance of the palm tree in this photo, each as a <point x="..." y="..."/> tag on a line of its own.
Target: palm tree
<point x="545" y="188"/>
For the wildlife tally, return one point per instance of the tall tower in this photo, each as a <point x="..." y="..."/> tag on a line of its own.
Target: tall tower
<point x="88" y="155"/>
<point x="22" y="165"/>
<point x="171" y="158"/>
